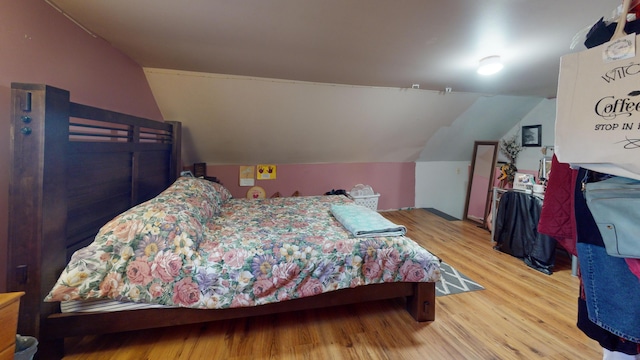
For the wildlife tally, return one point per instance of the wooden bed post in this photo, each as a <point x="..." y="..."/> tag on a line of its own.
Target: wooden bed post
<point x="176" y="150"/>
<point x="38" y="210"/>
<point x="421" y="305"/>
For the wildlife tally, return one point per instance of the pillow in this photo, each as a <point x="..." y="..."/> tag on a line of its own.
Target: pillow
<point x="221" y="193"/>
<point x="199" y="192"/>
<point x="161" y="235"/>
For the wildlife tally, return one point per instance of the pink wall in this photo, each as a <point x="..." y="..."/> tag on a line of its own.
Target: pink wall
<point x="394" y="181"/>
<point x="40" y="45"/>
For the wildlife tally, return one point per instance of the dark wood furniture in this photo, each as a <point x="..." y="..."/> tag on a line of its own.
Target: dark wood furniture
<point x="200" y="169"/>
<point x="75" y="167"/>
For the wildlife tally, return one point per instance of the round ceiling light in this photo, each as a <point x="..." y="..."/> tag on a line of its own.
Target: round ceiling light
<point x="490" y="65"/>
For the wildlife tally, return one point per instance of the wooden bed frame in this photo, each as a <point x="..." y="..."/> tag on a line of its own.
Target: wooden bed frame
<point x="75" y="167"/>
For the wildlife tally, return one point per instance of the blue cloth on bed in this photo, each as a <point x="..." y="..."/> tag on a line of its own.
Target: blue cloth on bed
<point x="364" y="222"/>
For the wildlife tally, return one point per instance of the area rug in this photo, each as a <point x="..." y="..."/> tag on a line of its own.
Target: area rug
<point x="454" y="282"/>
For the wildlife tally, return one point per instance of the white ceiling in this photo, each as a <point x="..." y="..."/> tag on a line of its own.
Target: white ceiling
<point x="364" y="44"/>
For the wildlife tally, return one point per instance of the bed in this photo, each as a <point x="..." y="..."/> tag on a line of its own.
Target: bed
<point x="75" y="169"/>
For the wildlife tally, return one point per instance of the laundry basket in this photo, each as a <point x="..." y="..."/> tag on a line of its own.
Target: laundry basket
<point x="364" y="195"/>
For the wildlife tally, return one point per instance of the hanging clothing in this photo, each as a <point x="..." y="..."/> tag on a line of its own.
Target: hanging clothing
<point x="516" y="231"/>
<point x="607" y="310"/>
<point x="556" y="217"/>
<point x="567" y="181"/>
<point x="601" y="32"/>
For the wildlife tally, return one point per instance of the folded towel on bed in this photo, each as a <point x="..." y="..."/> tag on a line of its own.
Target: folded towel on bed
<point x="364" y="222"/>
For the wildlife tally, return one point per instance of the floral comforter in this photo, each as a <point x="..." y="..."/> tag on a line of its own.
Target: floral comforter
<point x="195" y="246"/>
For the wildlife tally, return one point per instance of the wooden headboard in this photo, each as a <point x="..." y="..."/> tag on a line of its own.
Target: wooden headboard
<point x="73" y="168"/>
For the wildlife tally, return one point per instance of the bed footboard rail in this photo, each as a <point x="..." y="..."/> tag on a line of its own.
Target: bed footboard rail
<point x="420" y="304"/>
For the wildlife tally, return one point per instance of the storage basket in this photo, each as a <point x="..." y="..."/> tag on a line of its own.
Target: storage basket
<point x="370" y="201"/>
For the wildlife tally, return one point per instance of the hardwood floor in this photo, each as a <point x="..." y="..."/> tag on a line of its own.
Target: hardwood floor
<point x="521" y="314"/>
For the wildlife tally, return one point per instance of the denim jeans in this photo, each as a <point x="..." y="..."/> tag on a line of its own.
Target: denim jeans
<point x="612" y="292"/>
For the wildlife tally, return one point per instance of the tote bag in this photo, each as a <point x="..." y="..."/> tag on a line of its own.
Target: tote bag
<point x="598" y="106"/>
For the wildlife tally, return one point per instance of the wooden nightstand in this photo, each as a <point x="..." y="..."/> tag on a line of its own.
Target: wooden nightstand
<point x="9" y="306"/>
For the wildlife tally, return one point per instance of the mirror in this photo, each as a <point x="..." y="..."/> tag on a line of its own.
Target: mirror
<point x="481" y="179"/>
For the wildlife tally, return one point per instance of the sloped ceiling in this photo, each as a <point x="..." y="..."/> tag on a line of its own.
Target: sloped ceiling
<point x="232" y="120"/>
<point x="246" y="120"/>
<point x="488" y="118"/>
<point x="367" y="53"/>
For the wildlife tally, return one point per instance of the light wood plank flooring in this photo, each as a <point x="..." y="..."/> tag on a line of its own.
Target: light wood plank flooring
<point x="522" y="314"/>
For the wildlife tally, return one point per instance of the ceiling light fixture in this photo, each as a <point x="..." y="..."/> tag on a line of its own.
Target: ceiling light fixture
<point x="490" y="65"/>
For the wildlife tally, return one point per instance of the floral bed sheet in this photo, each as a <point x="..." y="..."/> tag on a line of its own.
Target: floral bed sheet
<point x="234" y="252"/>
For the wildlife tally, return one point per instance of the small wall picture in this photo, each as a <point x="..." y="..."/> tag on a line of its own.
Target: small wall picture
<point x="246" y="175"/>
<point x="532" y="135"/>
<point x="266" y="172"/>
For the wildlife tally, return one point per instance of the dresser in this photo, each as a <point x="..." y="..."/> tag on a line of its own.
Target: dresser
<point x="9" y="306"/>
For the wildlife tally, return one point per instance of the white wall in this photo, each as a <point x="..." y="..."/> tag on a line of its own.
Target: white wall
<point x="443" y="185"/>
<point x="544" y="114"/>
